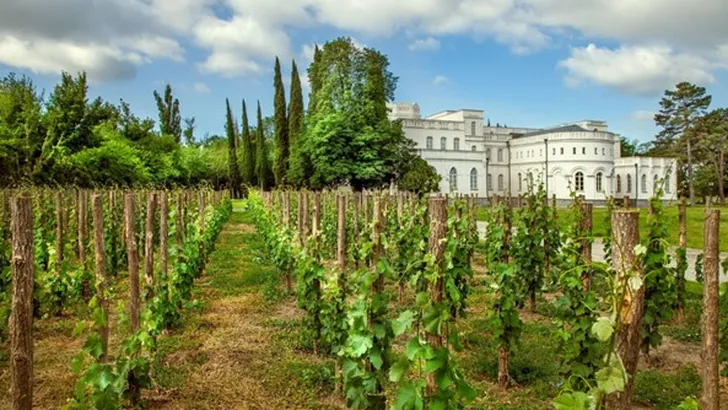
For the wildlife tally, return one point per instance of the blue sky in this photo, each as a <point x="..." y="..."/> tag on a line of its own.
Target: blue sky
<point x="526" y="62"/>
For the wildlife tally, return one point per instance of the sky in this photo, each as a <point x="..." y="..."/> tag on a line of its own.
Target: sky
<point x="530" y="63"/>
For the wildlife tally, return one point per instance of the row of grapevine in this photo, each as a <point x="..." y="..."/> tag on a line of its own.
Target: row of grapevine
<point x="53" y="275"/>
<point x="375" y="271"/>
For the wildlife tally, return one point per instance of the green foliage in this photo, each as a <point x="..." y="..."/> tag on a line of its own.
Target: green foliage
<point x="527" y="248"/>
<point x="419" y="177"/>
<point x="262" y="164"/>
<point x="232" y="135"/>
<point x="282" y="143"/>
<point x="169" y="117"/>
<point x="249" y="156"/>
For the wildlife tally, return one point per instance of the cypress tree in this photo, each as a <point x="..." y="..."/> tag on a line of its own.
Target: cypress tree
<point x="299" y="162"/>
<point x="170" y="122"/>
<point x="314" y="80"/>
<point x="261" y="163"/>
<point x="248" y="152"/>
<point x="234" y="174"/>
<point x="280" y="167"/>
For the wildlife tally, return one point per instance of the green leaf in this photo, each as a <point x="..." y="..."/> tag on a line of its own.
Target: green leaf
<point x="402" y="323"/>
<point x="398" y="369"/>
<point x="603" y="328"/>
<point x="77" y="362"/>
<point x="78" y="329"/>
<point x="610" y="379"/>
<point x="571" y="401"/>
<point x="358" y="345"/>
<point x="375" y="357"/>
<point x="414" y="349"/>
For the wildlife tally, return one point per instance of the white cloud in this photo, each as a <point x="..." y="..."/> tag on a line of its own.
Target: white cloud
<point x="201" y="88"/>
<point x="425" y="44"/>
<point x="643" y="116"/>
<point x="637" y="70"/>
<point x="307" y="53"/>
<point x="440" y="80"/>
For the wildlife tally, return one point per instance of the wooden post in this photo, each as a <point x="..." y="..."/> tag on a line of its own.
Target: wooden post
<point x="287" y="209"/>
<point x="82" y="226"/>
<point x="316" y="229"/>
<point x="710" y="397"/>
<point x="201" y="210"/>
<point x="132" y="255"/>
<point x="163" y="235"/>
<point x="149" y="245"/>
<point x="378" y="399"/>
<point x="306" y="227"/>
<point x="682" y="244"/>
<point x="21" y="316"/>
<point x="625" y="236"/>
<point x="100" y="262"/>
<point x="341" y="265"/>
<point x="436" y="246"/>
<point x="180" y="222"/>
<point x="299" y="218"/>
<point x="59" y="231"/>
<point x="585" y="231"/>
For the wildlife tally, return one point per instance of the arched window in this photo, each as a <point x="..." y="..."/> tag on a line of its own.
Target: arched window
<point x="629" y="184"/>
<point x="473" y="179"/>
<point x="596" y="150"/>
<point x="500" y="182"/>
<point x="474" y="148"/>
<point x="583" y="150"/>
<point x="644" y="183"/>
<point x="603" y="151"/>
<point x="619" y="184"/>
<point x="553" y="151"/>
<point x="472" y="128"/>
<point x="443" y="143"/>
<point x="453" y="179"/>
<point x="668" y="188"/>
<point x="520" y="182"/>
<point x="489" y="182"/>
<point x="655" y="181"/>
<point x="500" y="154"/>
<point x="599" y="181"/>
<point x="456" y="144"/>
<point x="562" y="150"/>
<point x="428" y="144"/>
<point x="487" y="153"/>
<point x="579" y="181"/>
<point x="573" y="150"/>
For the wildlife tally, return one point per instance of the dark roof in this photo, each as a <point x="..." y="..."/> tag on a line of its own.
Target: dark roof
<point x="565" y="128"/>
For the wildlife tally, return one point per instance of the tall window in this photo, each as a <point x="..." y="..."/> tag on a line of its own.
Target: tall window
<point x="553" y="151"/>
<point x="473" y="179"/>
<point x="500" y="154"/>
<point x="629" y="184"/>
<point x="644" y="183"/>
<point x="456" y="144"/>
<point x="489" y="182"/>
<point x="583" y="150"/>
<point x="599" y="181"/>
<point x="474" y="148"/>
<point x="596" y="150"/>
<point x="487" y="153"/>
<point x="655" y="181"/>
<point x="500" y="182"/>
<point x="619" y="184"/>
<point x="562" y="151"/>
<point x="579" y="181"/>
<point x="472" y="128"/>
<point x="453" y="179"/>
<point x="443" y="143"/>
<point x="520" y="183"/>
<point x="429" y="143"/>
<point x="668" y="188"/>
<point x="573" y="150"/>
<point x="604" y="151"/>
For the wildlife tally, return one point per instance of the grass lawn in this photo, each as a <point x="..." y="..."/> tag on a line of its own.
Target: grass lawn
<point x="694" y="221"/>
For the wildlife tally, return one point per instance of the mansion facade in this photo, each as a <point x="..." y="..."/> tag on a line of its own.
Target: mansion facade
<point x="583" y="157"/>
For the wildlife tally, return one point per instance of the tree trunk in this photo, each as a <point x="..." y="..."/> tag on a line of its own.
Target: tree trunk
<point x="132" y="254"/>
<point x="721" y="176"/>
<point x="710" y="397"/>
<point x="503" y="378"/>
<point x="691" y="185"/>
<point x="21" y="316"/>
<point x="100" y="262"/>
<point x="625" y="236"/>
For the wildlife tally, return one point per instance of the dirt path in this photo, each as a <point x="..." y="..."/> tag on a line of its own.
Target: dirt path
<point x="240" y="352"/>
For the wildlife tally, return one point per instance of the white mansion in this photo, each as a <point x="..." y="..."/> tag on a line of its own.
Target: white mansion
<point x="475" y="158"/>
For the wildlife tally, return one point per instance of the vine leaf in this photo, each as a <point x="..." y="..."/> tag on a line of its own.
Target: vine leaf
<point x="398" y="369"/>
<point x="402" y="323"/>
<point x="603" y="328"/>
<point x="572" y="401"/>
<point x="610" y="379"/>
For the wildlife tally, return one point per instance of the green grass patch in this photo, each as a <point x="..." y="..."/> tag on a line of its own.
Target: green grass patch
<point x="666" y="391"/>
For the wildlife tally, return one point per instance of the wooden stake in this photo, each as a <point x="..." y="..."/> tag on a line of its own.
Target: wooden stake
<point x="59" y="231"/>
<point x="180" y="223"/>
<point x="132" y="254"/>
<point x="149" y="245"/>
<point x="100" y="262"/>
<point x="710" y="397"/>
<point x="682" y="244"/>
<point x="316" y="214"/>
<point x="163" y="235"/>
<point x="436" y="246"/>
<point x="21" y="316"/>
<point x="585" y="231"/>
<point x="625" y="236"/>
<point x="306" y="228"/>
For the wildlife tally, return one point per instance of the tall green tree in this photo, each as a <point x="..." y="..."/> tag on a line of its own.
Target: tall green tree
<point x="712" y="144"/>
<point x="189" y="131"/>
<point x="680" y="108"/>
<point x="249" y="176"/>
<point x="170" y="121"/>
<point x="230" y="129"/>
<point x="314" y="79"/>
<point x="262" y="167"/>
<point x="282" y="146"/>
<point x="300" y="162"/>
